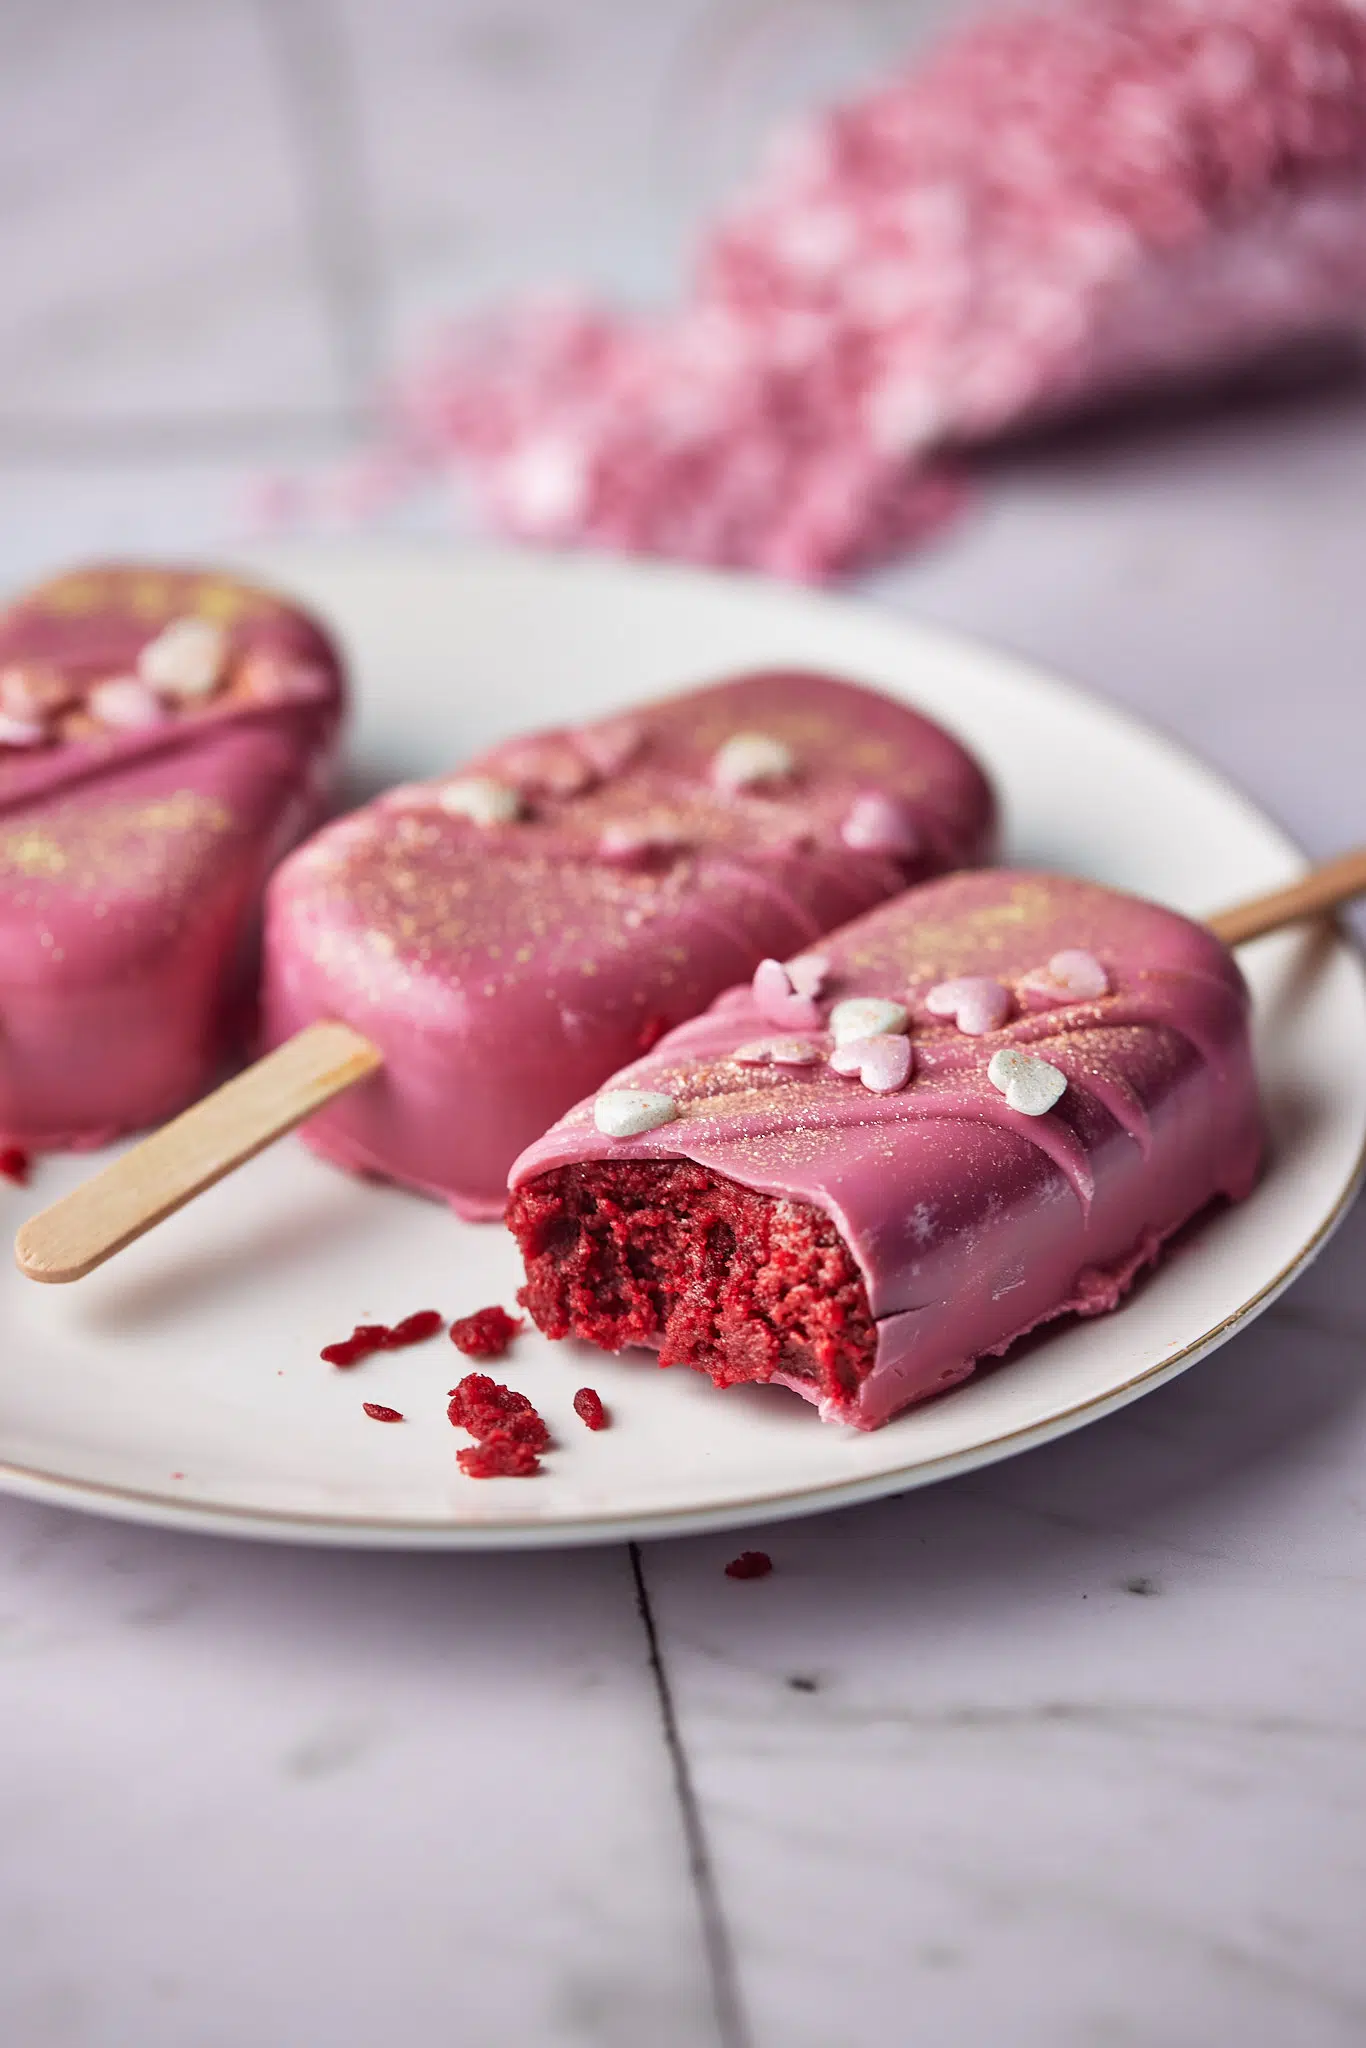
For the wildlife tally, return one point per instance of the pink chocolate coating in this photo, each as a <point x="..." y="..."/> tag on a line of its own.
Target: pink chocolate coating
<point x="504" y="970"/>
<point x="132" y="861"/>
<point x="969" y="1221"/>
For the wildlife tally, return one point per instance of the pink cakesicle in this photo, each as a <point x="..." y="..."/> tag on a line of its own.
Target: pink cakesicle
<point x="176" y="732"/>
<point x="864" y="1239"/>
<point x="509" y="936"/>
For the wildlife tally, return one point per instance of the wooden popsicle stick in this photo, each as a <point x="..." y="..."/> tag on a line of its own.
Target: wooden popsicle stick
<point x="239" y="1120"/>
<point x="179" y="1161"/>
<point x="1323" y="888"/>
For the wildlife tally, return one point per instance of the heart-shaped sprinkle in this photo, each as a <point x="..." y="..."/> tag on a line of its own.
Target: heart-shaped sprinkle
<point x="778" y="1052"/>
<point x="808" y="973"/>
<point x="976" y="1003"/>
<point x="750" y="757"/>
<point x="546" y="767"/>
<point x="867" y="1017"/>
<point x="271" y="677"/>
<point x="877" y="823"/>
<point x="882" y="1061"/>
<point x="186" y="659"/>
<point x="32" y="693"/>
<point x="1028" y="1084"/>
<point x="480" y="799"/>
<point x="126" y="705"/>
<point x="778" y="1002"/>
<point x="610" y="747"/>
<point x="1072" y="976"/>
<point x="21" y="732"/>
<point x="626" y="1112"/>
<point x="628" y="846"/>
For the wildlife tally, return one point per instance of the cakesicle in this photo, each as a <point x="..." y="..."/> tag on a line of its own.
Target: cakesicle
<point x="1016" y="1089"/>
<point x="165" y="735"/>
<point x="507" y="937"/>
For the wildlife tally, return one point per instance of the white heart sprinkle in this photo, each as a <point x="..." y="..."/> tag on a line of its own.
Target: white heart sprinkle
<point x="126" y="704"/>
<point x="1072" y="976"/>
<point x="480" y="799"/>
<point x="750" y="757"/>
<point x="877" y="823"/>
<point x="882" y="1061"/>
<point x="20" y="732"/>
<point x="976" y="1003"/>
<point x="867" y="1017"/>
<point x="626" y="1112"/>
<point x="186" y="658"/>
<point x="1028" y="1084"/>
<point x="778" y="1002"/>
<point x="808" y="973"/>
<point x="777" y="1052"/>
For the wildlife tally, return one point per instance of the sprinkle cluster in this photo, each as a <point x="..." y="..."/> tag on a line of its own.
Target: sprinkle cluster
<point x="868" y="1038"/>
<point x="922" y="267"/>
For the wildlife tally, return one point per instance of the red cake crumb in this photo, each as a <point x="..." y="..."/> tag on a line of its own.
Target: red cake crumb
<point x="377" y="1412"/>
<point x="588" y="1407"/>
<point x="364" y="1340"/>
<point x="738" y="1284"/>
<point x="498" y="1457"/>
<point x="14" y="1164"/>
<point x="750" y="1564"/>
<point x="367" y="1338"/>
<point x="487" y="1410"/>
<point x="485" y="1334"/>
<point x="414" y="1329"/>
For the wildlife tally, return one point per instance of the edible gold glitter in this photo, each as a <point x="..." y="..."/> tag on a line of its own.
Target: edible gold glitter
<point x="101" y="850"/>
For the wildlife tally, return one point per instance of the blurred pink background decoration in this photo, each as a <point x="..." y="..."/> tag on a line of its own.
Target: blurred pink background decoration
<point x="1059" y="205"/>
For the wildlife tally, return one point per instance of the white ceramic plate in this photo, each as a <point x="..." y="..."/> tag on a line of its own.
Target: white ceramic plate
<point x="182" y="1383"/>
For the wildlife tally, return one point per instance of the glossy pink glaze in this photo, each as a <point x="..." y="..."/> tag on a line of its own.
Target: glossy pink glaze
<point x="132" y="861"/>
<point x="970" y="1222"/>
<point x="505" y="970"/>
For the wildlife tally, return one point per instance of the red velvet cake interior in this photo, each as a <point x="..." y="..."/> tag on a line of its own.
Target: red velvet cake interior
<point x="662" y="1252"/>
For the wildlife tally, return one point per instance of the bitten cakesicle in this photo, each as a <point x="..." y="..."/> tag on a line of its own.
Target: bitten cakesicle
<point x="1013" y="1089"/>
<point x="165" y="735"/>
<point x="509" y="936"/>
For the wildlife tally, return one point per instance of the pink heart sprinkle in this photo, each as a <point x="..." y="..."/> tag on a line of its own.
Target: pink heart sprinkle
<point x="808" y="973"/>
<point x="20" y="732"/>
<point x="976" y="1003"/>
<point x="882" y="1063"/>
<point x="1072" y="976"/>
<point x="778" y="1002"/>
<point x="273" y="676"/>
<point x="32" y="694"/>
<point x="877" y="823"/>
<point x="778" y="1052"/>
<point x="610" y="747"/>
<point x="635" y="845"/>
<point x="126" y="704"/>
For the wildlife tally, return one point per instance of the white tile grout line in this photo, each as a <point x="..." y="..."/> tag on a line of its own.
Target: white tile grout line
<point x="732" y="2028"/>
<point x="307" y="46"/>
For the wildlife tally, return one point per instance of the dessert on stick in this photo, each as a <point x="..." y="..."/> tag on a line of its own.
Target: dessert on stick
<point x="1016" y="1088"/>
<point x="510" y="935"/>
<point x="157" y="1177"/>
<point x="165" y="736"/>
<point x="481" y="950"/>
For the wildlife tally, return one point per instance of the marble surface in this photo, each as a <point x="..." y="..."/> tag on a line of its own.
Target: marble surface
<point x="1068" y="1754"/>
